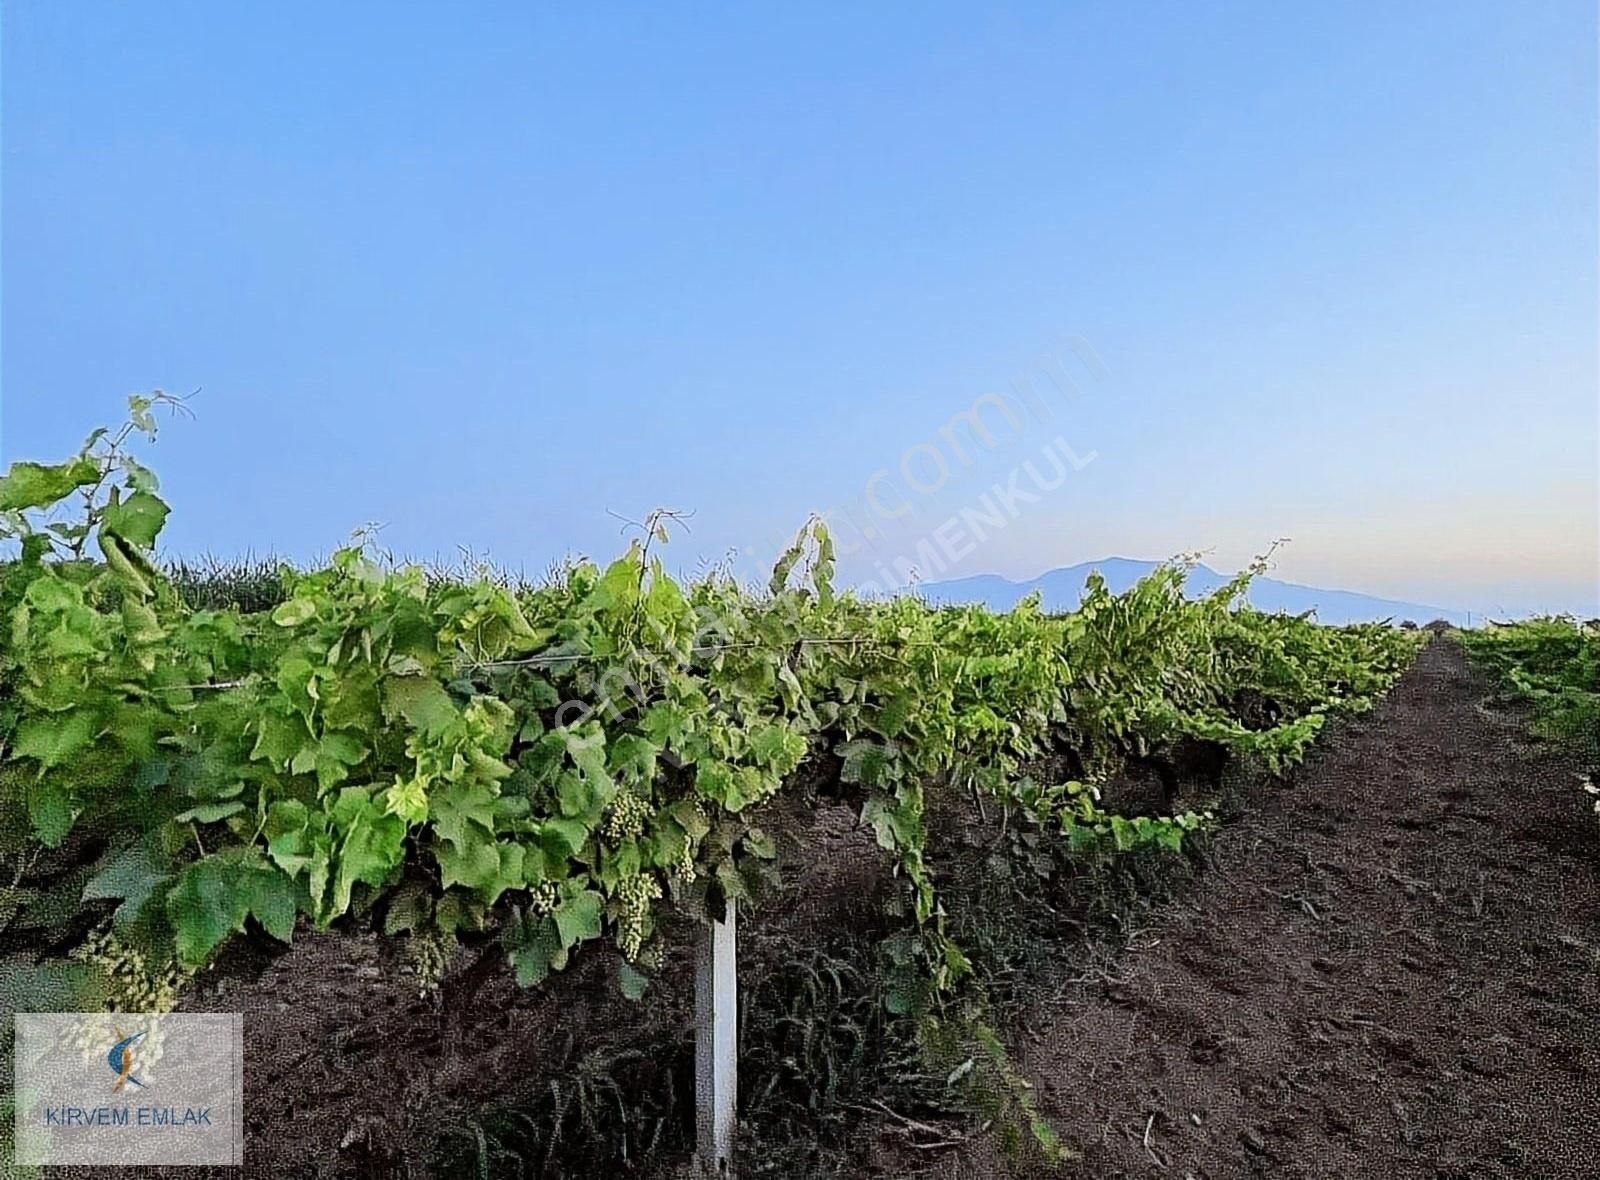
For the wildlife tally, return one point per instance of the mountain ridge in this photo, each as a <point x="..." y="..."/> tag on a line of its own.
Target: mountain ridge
<point x="1062" y="589"/>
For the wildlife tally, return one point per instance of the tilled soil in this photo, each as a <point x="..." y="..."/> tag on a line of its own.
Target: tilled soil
<point x="1392" y="969"/>
<point x="350" y="1073"/>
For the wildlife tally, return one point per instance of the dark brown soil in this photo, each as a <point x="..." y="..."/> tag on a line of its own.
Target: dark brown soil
<point x="349" y="1073"/>
<point x="1392" y="969"/>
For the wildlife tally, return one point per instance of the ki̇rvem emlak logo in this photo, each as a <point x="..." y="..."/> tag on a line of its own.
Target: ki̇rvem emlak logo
<point x="128" y="1089"/>
<point x="120" y="1059"/>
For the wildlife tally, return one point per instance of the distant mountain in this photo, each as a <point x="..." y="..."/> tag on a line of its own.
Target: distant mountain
<point x="1062" y="589"/>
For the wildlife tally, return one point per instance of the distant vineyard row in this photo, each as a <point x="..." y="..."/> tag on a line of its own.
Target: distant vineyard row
<point x="534" y="769"/>
<point x="1551" y="664"/>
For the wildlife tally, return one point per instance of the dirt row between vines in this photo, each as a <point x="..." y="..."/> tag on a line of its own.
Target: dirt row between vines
<point x="1392" y="968"/>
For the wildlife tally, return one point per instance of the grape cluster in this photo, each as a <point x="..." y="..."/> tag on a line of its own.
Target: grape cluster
<point x="542" y="899"/>
<point x="431" y="955"/>
<point x="634" y="894"/>
<point x="132" y="983"/>
<point x="683" y="871"/>
<point x="626" y="819"/>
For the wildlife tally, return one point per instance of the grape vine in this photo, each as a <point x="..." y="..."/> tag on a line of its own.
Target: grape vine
<point x="542" y="766"/>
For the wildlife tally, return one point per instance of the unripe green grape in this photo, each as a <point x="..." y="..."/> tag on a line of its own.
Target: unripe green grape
<point x="626" y="817"/>
<point x="430" y="955"/>
<point x="542" y="899"/>
<point x="634" y="895"/>
<point x="131" y="983"/>
<point x="683" y="870"/>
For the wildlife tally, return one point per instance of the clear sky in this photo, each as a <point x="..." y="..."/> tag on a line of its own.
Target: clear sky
<point x="485" y="272"/>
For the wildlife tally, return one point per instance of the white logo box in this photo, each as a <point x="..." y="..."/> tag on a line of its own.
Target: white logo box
<point x="119" y="1088"/>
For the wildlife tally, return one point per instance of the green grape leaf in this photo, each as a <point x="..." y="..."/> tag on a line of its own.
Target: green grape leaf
<point x="716" y="781"/>
<point x="564" y="837"/>
<point x="865" y="762"/>
<point x="894" y="713"/>
<point x="126" y="562"/>
<point x="733" y="886"/>
<point x="587" y="749"/>
<point x="779" y="747"/>
<point x="575" y="796"/>
<point x="139" y="477"/>
<point x="618" y="589"/>
<point x="890" y="822"/>
<point x="53" y="740"/>
<point x="350" y="701"/>
<point x="541" y="694"/>
<point x="578" y="917"/>
<point x="35" y="485"/>
<point x="464" y="813"/>
<point x="633" y="758"/>
<point x="294" y="612"/>
<point x="287" y="819"/>
<point x="690" y="818"/>
<point x="472" y="863"/>
<point x="535" y="950"/>
<point x="509" y="875"/>
<point x="271" y="899"/>
<point x="137" y="520"/>
<point x="279" y="737"/>
<point x="207" y="904"/>
<point x="667" y="723"/>
<point x="421" y="701"/>
<point x="131" y="874"/>
<point x="664" y="603"/>
<point x="140" y="624"/>
<point x="296" y="679"/>
<point x="335" y="754"/>
<point x="51" y="810"/>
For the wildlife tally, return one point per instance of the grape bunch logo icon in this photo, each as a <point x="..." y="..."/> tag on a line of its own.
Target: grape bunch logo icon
<point x="120" y="1059"/>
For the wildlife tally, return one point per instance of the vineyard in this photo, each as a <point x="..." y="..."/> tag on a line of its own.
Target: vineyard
<point x="1552" y="665"/>
<point x="498" y="779"/>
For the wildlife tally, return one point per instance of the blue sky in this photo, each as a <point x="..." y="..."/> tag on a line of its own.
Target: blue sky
<point x="483" y="273"/>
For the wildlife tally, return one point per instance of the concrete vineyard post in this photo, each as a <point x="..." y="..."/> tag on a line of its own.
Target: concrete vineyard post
<point x="716" y="1049"/>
